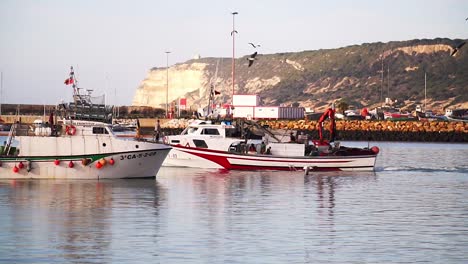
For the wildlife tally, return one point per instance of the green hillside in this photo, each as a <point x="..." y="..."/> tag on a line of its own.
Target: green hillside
<point x="354" y="74"/>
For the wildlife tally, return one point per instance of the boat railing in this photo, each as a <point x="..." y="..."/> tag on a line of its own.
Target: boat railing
<point x="7" y="145"/>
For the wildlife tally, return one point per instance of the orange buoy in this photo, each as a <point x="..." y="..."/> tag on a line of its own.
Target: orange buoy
<point x="112" y="161"/>
<point x="103" y="161"/>
<point x="56" y="162"/>
<point x="71" y="164"/>
<point x="85" y="161"/>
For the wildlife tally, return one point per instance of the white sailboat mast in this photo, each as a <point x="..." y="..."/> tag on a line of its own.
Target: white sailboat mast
<point x="425" y="85"/>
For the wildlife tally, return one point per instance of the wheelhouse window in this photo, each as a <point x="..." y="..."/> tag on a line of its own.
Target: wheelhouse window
<point x="210" y="131"/>
<point x="100" y="130"/>
<point x="200" y="143"/>
<point x="189" y="130"/>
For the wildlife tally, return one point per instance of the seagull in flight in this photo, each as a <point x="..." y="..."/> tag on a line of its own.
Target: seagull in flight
<point x="251" y="59"/>
<point x="457" y="48"/>
<point x="253" y="45"/>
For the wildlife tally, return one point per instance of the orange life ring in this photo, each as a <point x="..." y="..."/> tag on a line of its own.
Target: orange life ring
<point x="70" y="130"/>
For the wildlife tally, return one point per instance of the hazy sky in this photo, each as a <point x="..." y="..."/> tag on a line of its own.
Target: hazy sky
<point x="113" y="43"/>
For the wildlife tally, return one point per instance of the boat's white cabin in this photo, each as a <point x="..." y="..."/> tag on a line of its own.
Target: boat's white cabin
<point x="86" y="128"/>
<point x="205" y="128"/>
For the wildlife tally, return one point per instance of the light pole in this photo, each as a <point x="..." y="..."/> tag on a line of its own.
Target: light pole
<point x="167" y="83"/>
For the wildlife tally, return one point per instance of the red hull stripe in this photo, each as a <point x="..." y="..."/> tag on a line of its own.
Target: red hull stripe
<point x="222" y="160"/>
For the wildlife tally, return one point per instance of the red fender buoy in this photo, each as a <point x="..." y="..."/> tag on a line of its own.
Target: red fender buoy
<point x="71" y="164"/>
<point x="56" y="162"/>
<point x="98" y="165"/>
<point x="112" y="161"/>
<point x="70" y="130"/>
<point x="15" y="169"/>
<point x="20" y="165"/>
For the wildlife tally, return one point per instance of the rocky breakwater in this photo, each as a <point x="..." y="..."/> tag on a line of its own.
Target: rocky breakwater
<point x="362" y="130"/>
<point x="383" y="130"/>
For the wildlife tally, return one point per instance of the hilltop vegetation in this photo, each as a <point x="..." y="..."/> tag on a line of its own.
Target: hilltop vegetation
<point x="354" y="74"/>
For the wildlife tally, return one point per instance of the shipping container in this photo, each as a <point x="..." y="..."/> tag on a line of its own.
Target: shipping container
<point x="244" y="112"/>
<point x="266" y="112"/>
<point x="291" y="113"/>
<point x="246" y="100"/>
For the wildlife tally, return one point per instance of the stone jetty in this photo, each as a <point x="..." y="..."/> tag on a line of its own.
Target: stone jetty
<point x="379" y="130"/>
<point x="373" y="130"/>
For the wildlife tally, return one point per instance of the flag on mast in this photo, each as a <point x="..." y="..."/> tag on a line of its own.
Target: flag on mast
<point x="71" y="79"/>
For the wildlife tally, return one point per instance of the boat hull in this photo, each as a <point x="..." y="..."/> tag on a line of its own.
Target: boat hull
<point x="177" y="158"/>
<point x="234" y="161"/>
<point x="132" y="164"/>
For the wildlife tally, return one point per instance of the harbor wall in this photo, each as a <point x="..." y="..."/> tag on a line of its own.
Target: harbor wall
<point x="380" y="130"/>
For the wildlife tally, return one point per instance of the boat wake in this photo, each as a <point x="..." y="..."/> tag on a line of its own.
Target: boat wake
<point x="419" y="169"/>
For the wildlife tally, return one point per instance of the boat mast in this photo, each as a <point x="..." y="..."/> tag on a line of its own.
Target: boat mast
<point x="76" y="94"/>
<point x="382" y="79"/>
<point x="388" y="81"/>
<point x="1" y="90"/>
<point x="212" y="90"/>
<point x="425" y="84"/>
<point x="167" y="83"/>
<point x="233" y="33"/>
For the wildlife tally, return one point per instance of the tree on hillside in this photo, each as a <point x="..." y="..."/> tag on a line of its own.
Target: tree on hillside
<point x="341" y="105"/>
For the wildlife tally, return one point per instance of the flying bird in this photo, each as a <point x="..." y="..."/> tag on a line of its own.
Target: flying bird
<point x="457" y="48"/>
<point x="234" y="31"/>
<point x="252" y="58"/>
<point x="253" y="45"/>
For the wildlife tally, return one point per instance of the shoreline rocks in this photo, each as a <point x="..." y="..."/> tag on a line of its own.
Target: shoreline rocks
<point x="380" y="130"/>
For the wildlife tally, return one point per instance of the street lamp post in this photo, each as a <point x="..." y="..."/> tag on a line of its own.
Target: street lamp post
<point x="167" y="83"/>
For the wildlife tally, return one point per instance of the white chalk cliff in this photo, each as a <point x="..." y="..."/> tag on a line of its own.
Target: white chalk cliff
<point x="317" y="78"/>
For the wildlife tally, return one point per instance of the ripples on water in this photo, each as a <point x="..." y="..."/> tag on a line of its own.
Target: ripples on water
<point x="412" y="209"/>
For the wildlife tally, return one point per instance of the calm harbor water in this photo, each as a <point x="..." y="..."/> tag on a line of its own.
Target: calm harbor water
<point x="412" y="209"/>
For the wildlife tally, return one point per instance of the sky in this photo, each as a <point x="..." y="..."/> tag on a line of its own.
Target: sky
<point x="112" y="44"/>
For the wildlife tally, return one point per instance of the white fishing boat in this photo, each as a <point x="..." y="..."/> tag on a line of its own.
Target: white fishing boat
<point x="201" y="134"/>
<point x="457" y="115"/>
<point x="206" y="145"/>
<point x="77" y="149"/>
<point x="227" y="146"/>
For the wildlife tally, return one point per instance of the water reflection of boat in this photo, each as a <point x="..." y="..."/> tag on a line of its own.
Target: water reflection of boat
<point x="227" y="146"/>
<point x="76" y="148"/>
